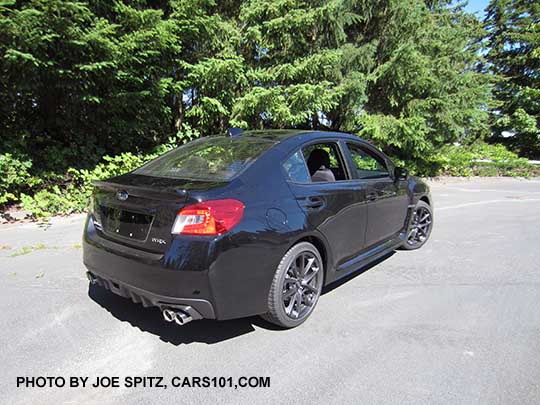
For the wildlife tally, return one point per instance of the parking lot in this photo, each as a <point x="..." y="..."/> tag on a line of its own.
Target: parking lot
<point x="457" y="321"/>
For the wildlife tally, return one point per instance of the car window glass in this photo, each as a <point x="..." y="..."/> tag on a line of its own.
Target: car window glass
<point x="324" y="162"/>
<point x="296" y="169"/>
<point x="367" y="164"/>
<point x="207" y="159"/>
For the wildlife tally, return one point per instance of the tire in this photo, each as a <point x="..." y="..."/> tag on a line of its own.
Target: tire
<point x="296" y="288"/>
<point x="420" y="227"/>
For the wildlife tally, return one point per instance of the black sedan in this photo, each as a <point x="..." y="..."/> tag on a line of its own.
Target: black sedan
<point x="257" y="223"/>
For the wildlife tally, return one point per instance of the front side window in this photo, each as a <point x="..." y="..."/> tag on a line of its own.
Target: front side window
<point x="207" y="159"/>
<point x="367" y="164"/>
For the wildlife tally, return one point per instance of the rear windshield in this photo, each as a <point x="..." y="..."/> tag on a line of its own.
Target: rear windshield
<point x="210" y="158"/>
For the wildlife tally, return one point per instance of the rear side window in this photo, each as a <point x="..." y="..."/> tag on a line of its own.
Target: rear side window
<point x="207" y="159"/>
<point x="324" y="162"/>
<point x="296" y="169"/>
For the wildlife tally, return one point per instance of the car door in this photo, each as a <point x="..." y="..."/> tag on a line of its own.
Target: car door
<point x="336" y="208"/>
<point x="387" y="199"/>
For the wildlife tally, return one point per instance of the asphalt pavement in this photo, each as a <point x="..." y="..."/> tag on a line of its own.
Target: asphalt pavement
<point x="457" y="321"/>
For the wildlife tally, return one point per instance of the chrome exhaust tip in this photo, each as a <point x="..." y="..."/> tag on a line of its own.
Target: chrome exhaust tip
<point x="91" y="278"/>
<point x="168" y="315"/>
<point x="181" y="318"/>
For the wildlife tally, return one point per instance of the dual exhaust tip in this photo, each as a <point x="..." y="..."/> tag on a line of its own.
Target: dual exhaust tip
<point x="178" y="316"/>
<point x="169" y="314"/>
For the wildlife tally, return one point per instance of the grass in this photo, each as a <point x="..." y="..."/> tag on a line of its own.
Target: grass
<point x="29" y="249"/>
<point x="40" y="246"/>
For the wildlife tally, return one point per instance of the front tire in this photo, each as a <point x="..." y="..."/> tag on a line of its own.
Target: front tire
<point x="421" y="225"/>
<point x="296" y="286"/>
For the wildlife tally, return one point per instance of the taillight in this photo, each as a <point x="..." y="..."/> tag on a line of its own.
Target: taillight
<point x="213" y="217"/>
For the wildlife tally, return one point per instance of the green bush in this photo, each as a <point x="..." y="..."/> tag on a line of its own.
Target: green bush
<point x="74" y="194"/>
<point x="71" y="192"/>
<point x="15" y="177"/>
<point x="46" y="203"/>
<point x="481" y="159"/>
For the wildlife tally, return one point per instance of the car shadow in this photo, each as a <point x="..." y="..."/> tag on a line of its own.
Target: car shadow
<point x="151" y="320"/>
<point x="206" y="331"/>
<point x="332" y="286"/>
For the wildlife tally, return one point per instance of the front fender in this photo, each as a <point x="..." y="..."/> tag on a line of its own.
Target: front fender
<point x="419" y="190"/>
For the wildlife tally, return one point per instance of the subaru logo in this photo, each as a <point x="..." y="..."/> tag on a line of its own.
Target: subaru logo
<point x="122" y="195"/>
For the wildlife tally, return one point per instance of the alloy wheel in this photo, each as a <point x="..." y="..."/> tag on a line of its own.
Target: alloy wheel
<point x="420" y="226"/>
<point x="301" y="286"/>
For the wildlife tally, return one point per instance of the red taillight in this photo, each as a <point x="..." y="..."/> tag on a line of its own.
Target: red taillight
<point x="213" y="217"/>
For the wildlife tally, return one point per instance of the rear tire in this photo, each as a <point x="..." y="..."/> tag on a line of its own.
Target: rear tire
<point x="420" y="228"/>
<point x="296" y="286"/>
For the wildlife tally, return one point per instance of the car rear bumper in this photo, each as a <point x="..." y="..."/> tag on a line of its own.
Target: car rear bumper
<point x="196" y="308"/>
<point x="217" y="278"/>
<point x="144" y="278"/>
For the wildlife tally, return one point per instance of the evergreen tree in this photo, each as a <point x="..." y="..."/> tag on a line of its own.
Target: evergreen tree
<point x="398" y="72"/>
<point x="513" y="53"/>
<point x="79" y="79"/>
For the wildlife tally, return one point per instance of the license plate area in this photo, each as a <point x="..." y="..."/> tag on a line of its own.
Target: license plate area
<point x="128" y="224"/>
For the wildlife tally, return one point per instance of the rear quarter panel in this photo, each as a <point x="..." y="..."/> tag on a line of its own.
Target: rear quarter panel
<point x="242" y="272"/>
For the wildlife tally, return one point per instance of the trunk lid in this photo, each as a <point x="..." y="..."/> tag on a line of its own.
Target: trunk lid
<point x="139" y="211"/>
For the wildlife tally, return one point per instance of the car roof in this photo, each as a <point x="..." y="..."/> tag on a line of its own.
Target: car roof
<point x="279" y="135"/>
<point x="286" y="140"/>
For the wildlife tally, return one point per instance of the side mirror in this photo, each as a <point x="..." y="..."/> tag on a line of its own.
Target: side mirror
<point x="400" y="173"/>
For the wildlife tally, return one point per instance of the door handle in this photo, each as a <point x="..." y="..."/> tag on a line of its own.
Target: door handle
<point x="314" y="203"/>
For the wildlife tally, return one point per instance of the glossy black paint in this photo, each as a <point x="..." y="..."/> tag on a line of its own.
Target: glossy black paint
<point x="352" y="222"/>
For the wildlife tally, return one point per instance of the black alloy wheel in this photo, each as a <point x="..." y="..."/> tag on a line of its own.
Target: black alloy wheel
<point x="296" y="286"/>
<point x="421" y="225"/>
